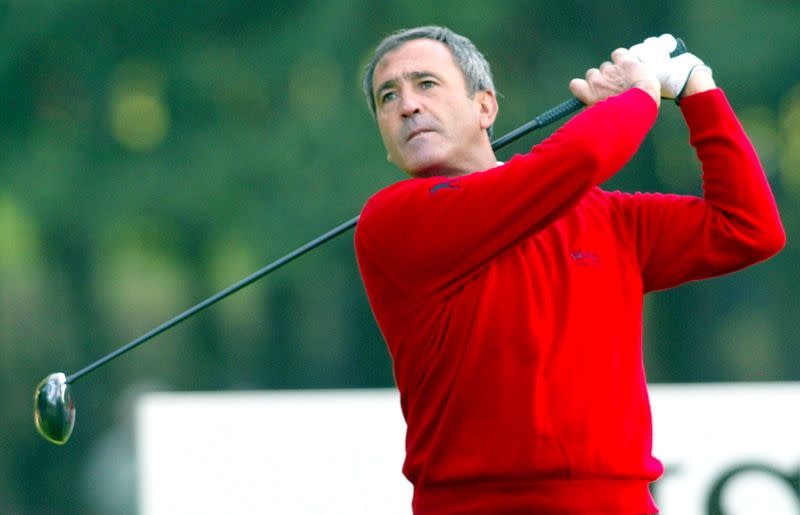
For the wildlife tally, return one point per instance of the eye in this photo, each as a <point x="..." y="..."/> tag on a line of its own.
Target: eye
<point x="388" y="97"/>
<point x="427" y="84"/>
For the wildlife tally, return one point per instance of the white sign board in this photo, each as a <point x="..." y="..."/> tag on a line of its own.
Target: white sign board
<point x="729" y="449"/>
<point x="305" y="452"/>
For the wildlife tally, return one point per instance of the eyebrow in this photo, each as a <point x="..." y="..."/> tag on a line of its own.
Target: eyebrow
<point x="392" y="83"/>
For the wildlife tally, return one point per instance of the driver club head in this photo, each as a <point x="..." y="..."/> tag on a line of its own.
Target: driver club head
<point x="53" y="409"/>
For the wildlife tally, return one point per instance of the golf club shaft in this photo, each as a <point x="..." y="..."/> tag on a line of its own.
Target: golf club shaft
<point x="216" y="297"/>
<point x="551" y="115"/>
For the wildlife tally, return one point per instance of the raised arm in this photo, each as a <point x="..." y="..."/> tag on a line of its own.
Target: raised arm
<point x="734" y="225"/>
<point x="423" y="235"/>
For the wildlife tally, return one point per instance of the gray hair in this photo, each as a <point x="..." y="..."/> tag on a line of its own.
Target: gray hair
<point x="473" y="65"/>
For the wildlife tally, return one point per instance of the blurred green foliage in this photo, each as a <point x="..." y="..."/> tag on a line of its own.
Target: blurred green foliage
<point x="152" y="152"/>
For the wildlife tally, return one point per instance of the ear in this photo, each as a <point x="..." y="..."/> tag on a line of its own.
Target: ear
<point x="487" y="103"/>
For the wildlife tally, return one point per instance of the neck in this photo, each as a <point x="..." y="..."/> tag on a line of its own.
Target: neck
<point x="481" y="157"/>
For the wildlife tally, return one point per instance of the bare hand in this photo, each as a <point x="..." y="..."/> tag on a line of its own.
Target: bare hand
<point x="622" y="73"/>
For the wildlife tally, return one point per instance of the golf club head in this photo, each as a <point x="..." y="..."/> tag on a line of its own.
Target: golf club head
<point x="53" y="409"/>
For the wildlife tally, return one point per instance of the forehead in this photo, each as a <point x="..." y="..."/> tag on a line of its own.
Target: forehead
<point x="415" y="56"/>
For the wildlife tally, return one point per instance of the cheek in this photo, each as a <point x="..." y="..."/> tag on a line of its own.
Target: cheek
<point x="386" y="132"/>
<point x="463" y="109"/>
<point x="388" y="141"/>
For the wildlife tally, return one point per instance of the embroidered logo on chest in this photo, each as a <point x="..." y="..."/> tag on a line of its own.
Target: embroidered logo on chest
<point x="449" y="185"/>
<point x="585" y="258"/>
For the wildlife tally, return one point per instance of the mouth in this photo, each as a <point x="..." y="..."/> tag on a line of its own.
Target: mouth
<point x="416" y="132"/>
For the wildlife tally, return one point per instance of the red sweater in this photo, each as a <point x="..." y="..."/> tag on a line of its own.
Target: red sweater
<point x="511" y="303"/>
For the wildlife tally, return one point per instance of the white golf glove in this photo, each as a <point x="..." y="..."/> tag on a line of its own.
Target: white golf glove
<point x="673" y="72"/>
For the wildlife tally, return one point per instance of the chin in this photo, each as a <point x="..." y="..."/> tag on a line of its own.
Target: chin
<point x="422" y="173"/>
<point x="427" y="167"/>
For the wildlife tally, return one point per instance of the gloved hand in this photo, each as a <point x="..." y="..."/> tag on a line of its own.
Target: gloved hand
<point x="673" y="72"/>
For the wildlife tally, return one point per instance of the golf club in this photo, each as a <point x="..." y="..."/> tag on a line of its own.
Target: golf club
<point x="53" y="406"/>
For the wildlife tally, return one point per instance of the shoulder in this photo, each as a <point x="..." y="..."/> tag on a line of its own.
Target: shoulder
<point x="378" y="197"/>
<point x="382" y="199"/>
<point x="385" y="207"/>
<point x="408" y="194"/>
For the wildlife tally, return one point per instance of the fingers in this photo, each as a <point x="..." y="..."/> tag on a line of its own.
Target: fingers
<point x="607" y="75"/>
<point x="668" y="42"/>
<point x="602" y="78"/>
<point x="598" y="84"/>
<point x="613" y="77"/>
<point x="655" y="48"/>
<point x="641" y="66"/>
<point x="622" y="55"/>
<point x="606" y="68"/>
<point x="581" y="90"/>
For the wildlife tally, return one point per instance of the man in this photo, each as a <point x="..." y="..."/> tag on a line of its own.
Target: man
<point x="510" y="295"/>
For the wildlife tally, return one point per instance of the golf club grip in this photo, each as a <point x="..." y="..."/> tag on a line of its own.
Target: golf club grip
<point x="573" y="104"/>
<point x="562" y="110"/>
<point x="680" y="48"/>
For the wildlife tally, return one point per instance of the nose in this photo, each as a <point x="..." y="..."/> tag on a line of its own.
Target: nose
<point x="410" y="104"/>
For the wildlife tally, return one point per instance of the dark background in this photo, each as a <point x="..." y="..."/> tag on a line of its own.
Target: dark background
<point x="153" y="152"/>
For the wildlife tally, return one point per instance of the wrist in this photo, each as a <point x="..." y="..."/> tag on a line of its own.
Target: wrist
<point x="651" y="87"/>
<point x="700" y="79"/>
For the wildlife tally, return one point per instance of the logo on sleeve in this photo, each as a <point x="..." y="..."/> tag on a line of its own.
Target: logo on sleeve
<point x="447" y="185"/>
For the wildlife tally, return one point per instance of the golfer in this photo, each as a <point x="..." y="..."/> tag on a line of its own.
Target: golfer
<point x="510" y="294"/>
